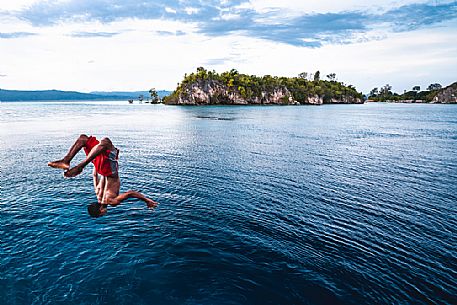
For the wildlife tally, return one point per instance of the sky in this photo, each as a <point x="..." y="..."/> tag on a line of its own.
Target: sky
<point x="114" y="45"/>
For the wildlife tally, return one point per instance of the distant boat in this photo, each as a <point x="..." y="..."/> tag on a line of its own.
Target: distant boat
<point x="130" y="101"/>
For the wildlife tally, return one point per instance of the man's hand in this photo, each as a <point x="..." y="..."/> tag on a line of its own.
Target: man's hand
<point x="73" y="172"/>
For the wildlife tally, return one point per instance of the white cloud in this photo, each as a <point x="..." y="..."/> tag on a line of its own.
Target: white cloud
<point x="293" y="7"/>
<point x="12" y="5"/>
<point x="229" y="17"/>
<point x="170" y="10"/>
<point x="191" y="10"/>
<point x="139" y="57"/>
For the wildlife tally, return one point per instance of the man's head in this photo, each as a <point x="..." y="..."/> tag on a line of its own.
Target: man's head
<point x="96" y="209"/>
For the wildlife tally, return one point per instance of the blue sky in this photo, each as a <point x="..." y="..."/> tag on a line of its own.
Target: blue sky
<point x="134" y="45"/>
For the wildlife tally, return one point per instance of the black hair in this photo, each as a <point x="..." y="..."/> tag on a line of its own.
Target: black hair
<point x="94" y="209"/>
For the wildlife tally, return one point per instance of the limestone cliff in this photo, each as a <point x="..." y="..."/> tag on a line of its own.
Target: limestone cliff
<point x="232" y="88"/>
<point x="211" y="92"/>
<point x="446" y="95"/>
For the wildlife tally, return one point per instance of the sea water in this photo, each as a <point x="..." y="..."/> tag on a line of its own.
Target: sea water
<point x="337" y="204"/>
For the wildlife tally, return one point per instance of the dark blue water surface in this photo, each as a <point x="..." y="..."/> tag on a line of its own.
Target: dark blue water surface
<point x="343" y="204"/>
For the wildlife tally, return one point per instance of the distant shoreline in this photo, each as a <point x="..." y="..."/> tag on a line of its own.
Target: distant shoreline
<point x="408" y="102"/>
<point x="58" y="95"/>
<point x="69" y="101"/>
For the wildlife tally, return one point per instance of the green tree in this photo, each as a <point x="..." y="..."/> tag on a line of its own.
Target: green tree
<point x="435" y="86"/>
<point x="332" y="77"/>
<point x="374" y="91"/>
<point x="154" y="96"/>
<point x="317" y="76"/>
<point x="385" y="92"/>
<point x="303" y="75"/>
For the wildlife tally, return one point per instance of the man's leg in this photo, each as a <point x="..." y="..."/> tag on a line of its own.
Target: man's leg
<point x="104" y="144"/>
<point x="131" y="194"/>
<point x="74" y="149"/>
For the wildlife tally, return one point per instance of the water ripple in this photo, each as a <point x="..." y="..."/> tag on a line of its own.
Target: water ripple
<point x="271" y="205"/>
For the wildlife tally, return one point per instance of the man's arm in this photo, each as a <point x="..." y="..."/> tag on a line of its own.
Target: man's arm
<point x="95" y="151"/>
<point x="131" y="194"/>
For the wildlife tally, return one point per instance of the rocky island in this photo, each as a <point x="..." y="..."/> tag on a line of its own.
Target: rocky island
<point x="233" y="88"/>
<point x="434" y="94"/>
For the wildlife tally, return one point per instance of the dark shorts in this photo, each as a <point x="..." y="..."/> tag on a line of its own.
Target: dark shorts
<point x="105" y="163"/>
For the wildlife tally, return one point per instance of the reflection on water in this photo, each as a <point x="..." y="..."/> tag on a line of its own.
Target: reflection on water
<point x="340" y="204"/>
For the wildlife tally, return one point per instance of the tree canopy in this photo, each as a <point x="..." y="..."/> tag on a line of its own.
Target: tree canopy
<point x="301" y="87"/>
<point x="385" y="94"/>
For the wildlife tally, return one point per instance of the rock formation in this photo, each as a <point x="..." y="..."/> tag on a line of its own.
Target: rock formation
<point x="446" y="95"/>
<point x="204" y="89"/>
<point x="211" y="92"/>
<point x="433" y="95"/>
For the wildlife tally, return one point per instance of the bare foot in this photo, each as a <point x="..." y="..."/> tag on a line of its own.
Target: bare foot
<point x="73" y="172"/>
<point x="151" y="203"/>
<point x="59" y="164"/>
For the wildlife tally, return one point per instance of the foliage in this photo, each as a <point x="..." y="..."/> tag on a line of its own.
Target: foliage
<point x="154" y="96"/>
<point x="385" y="94"/>
<point x="303" y="75"/>
<point x="386" y="90"/>
<point x="331" y="77"/>
<point x="251" y="86"/>
<point x="374" y="92"/>
<point x="435" y="86"/>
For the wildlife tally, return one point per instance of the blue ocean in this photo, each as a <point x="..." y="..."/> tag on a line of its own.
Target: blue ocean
<point x="335" y="204"/>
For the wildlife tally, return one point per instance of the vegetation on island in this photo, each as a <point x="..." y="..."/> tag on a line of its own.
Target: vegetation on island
<point x="250" y="87"/>
<point x="155" y="99"/>
<point x="385" y="94"/>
